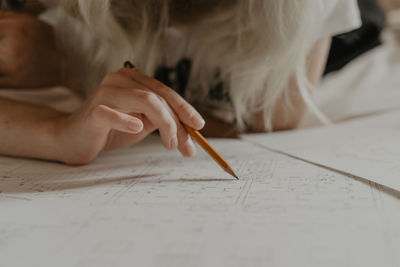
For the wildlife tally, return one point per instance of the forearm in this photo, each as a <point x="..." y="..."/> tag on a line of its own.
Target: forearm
<point x="28" y="131"/>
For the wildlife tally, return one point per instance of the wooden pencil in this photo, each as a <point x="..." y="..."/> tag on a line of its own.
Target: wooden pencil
<point x="199" y="138"/>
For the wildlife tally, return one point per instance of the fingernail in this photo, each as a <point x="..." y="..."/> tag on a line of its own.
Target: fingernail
<point x="198" y="121"/>
<point x="134" y="126"/>
<point x="173" y="144"/>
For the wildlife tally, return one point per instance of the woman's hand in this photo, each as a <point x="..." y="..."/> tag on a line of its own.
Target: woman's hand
<point x="125" y="108"/>
<point x="29" y="57"/>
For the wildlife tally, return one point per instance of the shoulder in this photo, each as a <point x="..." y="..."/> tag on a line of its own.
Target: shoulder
<point x="337" y="16"/>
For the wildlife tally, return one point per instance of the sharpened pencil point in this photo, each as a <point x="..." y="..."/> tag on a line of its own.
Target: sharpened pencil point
<point x="210" y="150"/>
<point x="231" y="172"/>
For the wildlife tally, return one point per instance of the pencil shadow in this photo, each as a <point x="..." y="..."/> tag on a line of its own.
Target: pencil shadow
<point x="191" y="180"/>
<point x="48" y="185"/>
<point x="35" y="176"/>
<point x="44" y="176"/>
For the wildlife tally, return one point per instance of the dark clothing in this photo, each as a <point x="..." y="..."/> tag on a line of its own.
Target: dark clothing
<point x="28" y="6"/>
<point x="348" y="46"/>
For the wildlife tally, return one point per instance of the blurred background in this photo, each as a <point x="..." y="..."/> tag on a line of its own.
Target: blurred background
<point x="390" y="4"/>
<point x="368" y="85"/>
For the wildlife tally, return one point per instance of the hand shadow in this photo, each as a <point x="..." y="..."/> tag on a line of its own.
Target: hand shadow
<point x="43" y="176"/>
<point x="50" y="176"/>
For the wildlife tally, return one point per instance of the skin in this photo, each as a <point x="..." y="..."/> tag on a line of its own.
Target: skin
<point x="125" y="108"/>
<point x="121" y="112"/>
<point x="25" y="44"/>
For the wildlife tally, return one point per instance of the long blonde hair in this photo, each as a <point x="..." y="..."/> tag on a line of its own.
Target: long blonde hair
<point x="257" y="45"/>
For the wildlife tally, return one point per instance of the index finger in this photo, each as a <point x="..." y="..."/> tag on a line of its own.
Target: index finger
<point x="185" y="112"/>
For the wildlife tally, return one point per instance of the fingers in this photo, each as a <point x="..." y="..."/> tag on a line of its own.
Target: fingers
<point x="119" y="80"/>
<point x="187" y="148"/>
<point x="124" y="93"/>
<point x="107" y="117"/>
<point x="186" y="113"/>
<point x="121" y="139"/>
<point x="149" y="104"/>
<point x="185" y="143"/>
<point x="159" y="115"/>
<point x="117" y="91"/>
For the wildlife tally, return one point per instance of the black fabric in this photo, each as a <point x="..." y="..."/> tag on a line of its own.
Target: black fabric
<point x="346" y="47"/>
<point x="176" y="77"/>
<point x="16" y="4"/>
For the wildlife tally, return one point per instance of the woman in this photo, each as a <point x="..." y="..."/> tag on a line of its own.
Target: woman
<point x="248" y="63"/>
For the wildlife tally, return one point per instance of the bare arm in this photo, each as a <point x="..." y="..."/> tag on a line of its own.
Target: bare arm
<point x="120" y="113"/>
<point x="29" y="57"/>
<point x="124" y="109"/>
<point x="28" y="130"/>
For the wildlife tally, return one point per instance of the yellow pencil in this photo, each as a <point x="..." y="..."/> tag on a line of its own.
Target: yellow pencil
<point x="199" y="138"/>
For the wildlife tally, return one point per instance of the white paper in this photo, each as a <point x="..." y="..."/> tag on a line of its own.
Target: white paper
<point x="368" y="148"/>
<point x="145" y="206"/>
<point x="368" y="84"/>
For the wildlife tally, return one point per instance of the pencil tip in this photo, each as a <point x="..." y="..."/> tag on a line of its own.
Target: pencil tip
<point x="231" y="172"/>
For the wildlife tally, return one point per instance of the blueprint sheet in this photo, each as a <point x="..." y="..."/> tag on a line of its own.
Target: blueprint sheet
<point x="144" y="206"/>
<point x="366" y="147"/>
